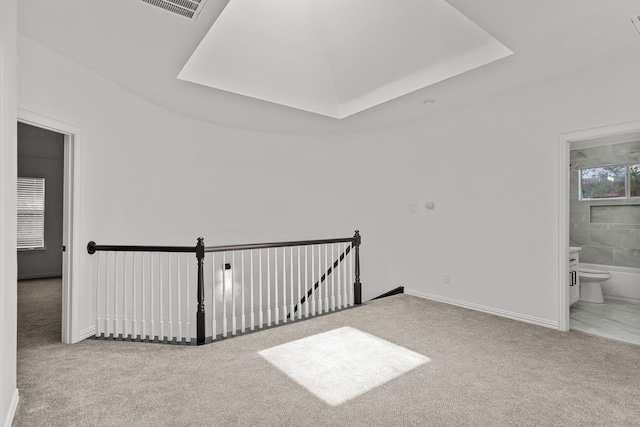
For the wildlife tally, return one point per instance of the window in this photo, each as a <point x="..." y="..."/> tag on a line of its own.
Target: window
<point x="634" y="180"/>
<point x="610" y="182"/>
<point x="30" y="213"/>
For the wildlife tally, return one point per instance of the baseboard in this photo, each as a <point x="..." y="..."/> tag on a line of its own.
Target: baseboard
<point x="12" y="409"/>
<point x="484" y="309"/>
<point x="86" y="333"/>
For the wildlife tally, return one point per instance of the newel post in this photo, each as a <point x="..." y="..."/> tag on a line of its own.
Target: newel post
<point x="357" y="286"/>
<point x="200" y="325"/>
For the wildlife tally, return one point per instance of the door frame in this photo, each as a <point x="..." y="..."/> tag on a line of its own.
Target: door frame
<point x="564" y="147"/>
<point x="70" y="217"/>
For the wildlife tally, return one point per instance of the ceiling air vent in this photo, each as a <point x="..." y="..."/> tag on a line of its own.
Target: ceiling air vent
<point x="187" y="8"/>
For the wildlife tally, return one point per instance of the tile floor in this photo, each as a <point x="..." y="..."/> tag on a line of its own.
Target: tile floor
<point x="618" y="319"/>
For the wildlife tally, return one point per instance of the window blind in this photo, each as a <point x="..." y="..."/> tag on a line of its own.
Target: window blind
<point x="30" y="213"/>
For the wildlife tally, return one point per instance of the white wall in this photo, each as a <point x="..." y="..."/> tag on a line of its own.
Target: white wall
<point x="152" y="177"/>
<point x="8" y="172"/>
<point x="492" y="169"/>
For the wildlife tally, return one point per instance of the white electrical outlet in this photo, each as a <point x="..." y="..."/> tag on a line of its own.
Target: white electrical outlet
<point x="447" y="279"/>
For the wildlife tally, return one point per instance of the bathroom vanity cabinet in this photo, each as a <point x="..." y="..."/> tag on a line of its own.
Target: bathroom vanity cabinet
<point x="574" y="276"/>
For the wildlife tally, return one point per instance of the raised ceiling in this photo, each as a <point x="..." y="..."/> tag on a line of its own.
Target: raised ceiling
<point x="337" y="57"/>
<point x="143" y="48"/>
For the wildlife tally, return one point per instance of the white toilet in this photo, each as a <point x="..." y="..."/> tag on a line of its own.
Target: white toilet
<point x="590" y="285"/>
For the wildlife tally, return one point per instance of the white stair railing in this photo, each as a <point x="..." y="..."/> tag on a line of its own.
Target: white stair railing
<point x="294" y="279"/>
<point x="146" y="293"/>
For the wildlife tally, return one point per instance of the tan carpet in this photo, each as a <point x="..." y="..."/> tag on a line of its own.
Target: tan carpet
<point x="484" y="371"/>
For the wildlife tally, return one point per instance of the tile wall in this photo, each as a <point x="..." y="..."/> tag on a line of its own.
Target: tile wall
<point x="607" y="230"/>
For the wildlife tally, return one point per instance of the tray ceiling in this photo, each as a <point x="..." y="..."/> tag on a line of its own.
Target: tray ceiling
<point x="143" y="48"/>
<point x="336" y="57"/>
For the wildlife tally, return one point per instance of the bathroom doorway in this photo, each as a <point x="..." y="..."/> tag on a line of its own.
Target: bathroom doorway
<point x="605" y="225"/>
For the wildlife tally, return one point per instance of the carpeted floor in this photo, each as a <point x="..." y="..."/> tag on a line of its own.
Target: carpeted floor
<point x="484" y="371"/>
<point x="343" y="363"/>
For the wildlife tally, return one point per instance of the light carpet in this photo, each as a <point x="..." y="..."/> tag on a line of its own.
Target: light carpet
<point x="484" y="371"/>
<point x="343" y="363"/>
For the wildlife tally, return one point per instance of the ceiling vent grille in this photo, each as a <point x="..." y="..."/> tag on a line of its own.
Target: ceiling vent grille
<point x="187" y="8"/>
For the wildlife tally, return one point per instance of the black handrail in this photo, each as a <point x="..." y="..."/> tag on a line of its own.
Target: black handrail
<point x="200" y="249"/>
<point x="92" y="248"/>
<point x="276" y="244"/>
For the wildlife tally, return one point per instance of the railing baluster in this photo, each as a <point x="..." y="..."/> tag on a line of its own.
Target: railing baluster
<point x="126" y="327"/>
<point x="242" y="318"/>
<point x="339" y="276"/>
<point x="115" y="296"/>
<point x="127" y="286"/>
<point x="170" y="336"/>
<point x="253" y="320"/>
<point x="122" y="297"/>
<point x="224" y="294"/>
<point x="214" y="296"/>
<point x="289" y="307"/>
<point x="106" y="296"/>
<point x="287" y="311"/>
<point x="313" y="272"/>
<point x="288" y="303"/>
<point x="326" y="280"/>
<point x="123" y="314"/>
<point x="320" y="281"/>
<point x="275" y="287"/>
<point x="260" y="313"/>
<point x="345" y="279"/>
<point x="161" y="294"/>
<point x="233" y="294"/>
<point x="185" y="333"/>
<point x="292" y="308"/>
<point x="152" y="310"/>
<point x="316" y="308"/>
<point x="143" y="301"/>
<point x="134" y="308"/>
<point x="189" y="333"/>
<point x="268" y="287"/>
<point x="97" y="308"/>
<point x="351" y="277"/>
<point x="333" y="279"/>
<point x="179" y="291"/>
<point x="284" y="285"/>
<point x="306" y="283"/>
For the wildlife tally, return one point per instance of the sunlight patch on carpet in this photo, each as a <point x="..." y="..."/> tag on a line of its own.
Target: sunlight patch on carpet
<point x="343" y="363"/>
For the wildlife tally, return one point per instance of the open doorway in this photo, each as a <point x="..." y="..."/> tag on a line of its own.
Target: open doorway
<point x="40" y="201"/>
<point x="68" y="247"/>
<point x="584" y="227"/>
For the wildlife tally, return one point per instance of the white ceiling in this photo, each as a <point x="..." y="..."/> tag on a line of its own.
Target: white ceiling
<point x="337" y="57"/>
<point x="143" y="48"/>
